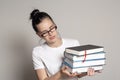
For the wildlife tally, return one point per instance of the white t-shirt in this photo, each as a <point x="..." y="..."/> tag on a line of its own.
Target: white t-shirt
<point x="51" y="58"/>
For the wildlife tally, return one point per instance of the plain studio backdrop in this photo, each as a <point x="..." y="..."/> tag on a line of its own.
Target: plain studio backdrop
<point x="89" y="21"/>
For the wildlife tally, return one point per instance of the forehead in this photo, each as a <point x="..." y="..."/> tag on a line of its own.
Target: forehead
<point x="45" y="24"/>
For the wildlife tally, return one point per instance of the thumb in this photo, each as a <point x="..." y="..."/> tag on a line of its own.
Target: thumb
<point x="64" y="68"/>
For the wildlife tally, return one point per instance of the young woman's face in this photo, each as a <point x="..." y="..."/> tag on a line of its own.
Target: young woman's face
<point x="47" y="30"/>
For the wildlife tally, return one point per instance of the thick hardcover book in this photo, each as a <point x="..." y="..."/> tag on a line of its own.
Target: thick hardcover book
<point x="96" y="55"/>
<point x="84" y="69"/>
<point x="84" y="49"/>
<point x="80" y="63"/>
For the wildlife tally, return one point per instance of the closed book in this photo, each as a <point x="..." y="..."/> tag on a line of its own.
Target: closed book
<point x="96" y="55"/>
<point x="80" y="63"/>
<point x="84" y="49"/>
<point x="84" y="69"/>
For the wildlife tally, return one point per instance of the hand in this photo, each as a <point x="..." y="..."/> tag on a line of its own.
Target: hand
<point x="98" y="71"/>
<point x="66" y="72"/>
<point x="90" y="72"/>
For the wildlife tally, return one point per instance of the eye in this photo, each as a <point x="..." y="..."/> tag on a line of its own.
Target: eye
<point x="44" y="32"/>
<point x="52" y="28"/>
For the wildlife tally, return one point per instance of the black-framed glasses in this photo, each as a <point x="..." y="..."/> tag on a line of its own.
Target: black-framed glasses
<point x="46" y="33"/>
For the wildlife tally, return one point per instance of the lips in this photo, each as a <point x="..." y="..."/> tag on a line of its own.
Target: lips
<point x="52" y="37"/>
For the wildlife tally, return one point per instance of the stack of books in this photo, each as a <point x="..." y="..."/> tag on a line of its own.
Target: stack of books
<point x="80" y="58"/>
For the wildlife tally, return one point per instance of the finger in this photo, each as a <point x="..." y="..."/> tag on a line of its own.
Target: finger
<point x="64" y="68"/>
<point x="88" y="72"/>
<point x="92" y="72"/>
<point x="71" y="74"/>
<point x="68" y="73"/>
<point x="74" y="74"/>
<point x="99" y="71"/>
<point x="65" y="71"/>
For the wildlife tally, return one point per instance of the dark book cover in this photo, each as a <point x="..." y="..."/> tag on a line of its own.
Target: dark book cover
<point x="84" y="47"/>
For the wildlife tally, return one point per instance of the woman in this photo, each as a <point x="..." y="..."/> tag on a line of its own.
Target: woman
<point x="47" y="58"/>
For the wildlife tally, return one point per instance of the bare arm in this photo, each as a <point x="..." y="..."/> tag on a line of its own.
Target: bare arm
<point x="42" y="75"/>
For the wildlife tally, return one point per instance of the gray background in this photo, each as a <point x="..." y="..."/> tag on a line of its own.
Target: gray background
<point x="89" y="21"/>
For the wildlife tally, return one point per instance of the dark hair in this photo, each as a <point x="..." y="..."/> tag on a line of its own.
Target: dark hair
<point x="36" y="16"/>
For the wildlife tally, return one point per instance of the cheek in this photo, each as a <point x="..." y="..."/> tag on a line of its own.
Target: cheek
<point x="55" y="33"/>
<point x="46" y="38"/>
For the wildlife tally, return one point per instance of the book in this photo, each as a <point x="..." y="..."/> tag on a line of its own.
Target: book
<point x="88" y="57"/>
<point x="80" y="63"/>
<point x="84" y="69"/>
<point x="84" y="49"/>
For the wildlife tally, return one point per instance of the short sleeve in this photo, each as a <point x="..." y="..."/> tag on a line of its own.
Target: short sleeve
<point x="37" y="62"/>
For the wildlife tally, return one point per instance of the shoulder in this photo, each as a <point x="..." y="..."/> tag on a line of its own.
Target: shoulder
<point x="38" y="49"/>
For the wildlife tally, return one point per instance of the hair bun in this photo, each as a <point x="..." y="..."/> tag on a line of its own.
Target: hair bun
<point x="34" y="13"/>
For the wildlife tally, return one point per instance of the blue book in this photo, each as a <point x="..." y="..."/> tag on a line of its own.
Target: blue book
<point x="80" y="64"/>
<point x="96" y="55"/>
<point x="83" y="69"/>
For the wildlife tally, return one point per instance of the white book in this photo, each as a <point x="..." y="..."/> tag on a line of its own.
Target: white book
<point x="84" y="69"/>
<point x="88" y="57"/>
<point x="84" y="49"/>
<point x="76" y="64"/>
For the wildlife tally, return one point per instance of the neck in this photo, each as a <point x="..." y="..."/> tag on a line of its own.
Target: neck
<point x="57" y="43"/>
